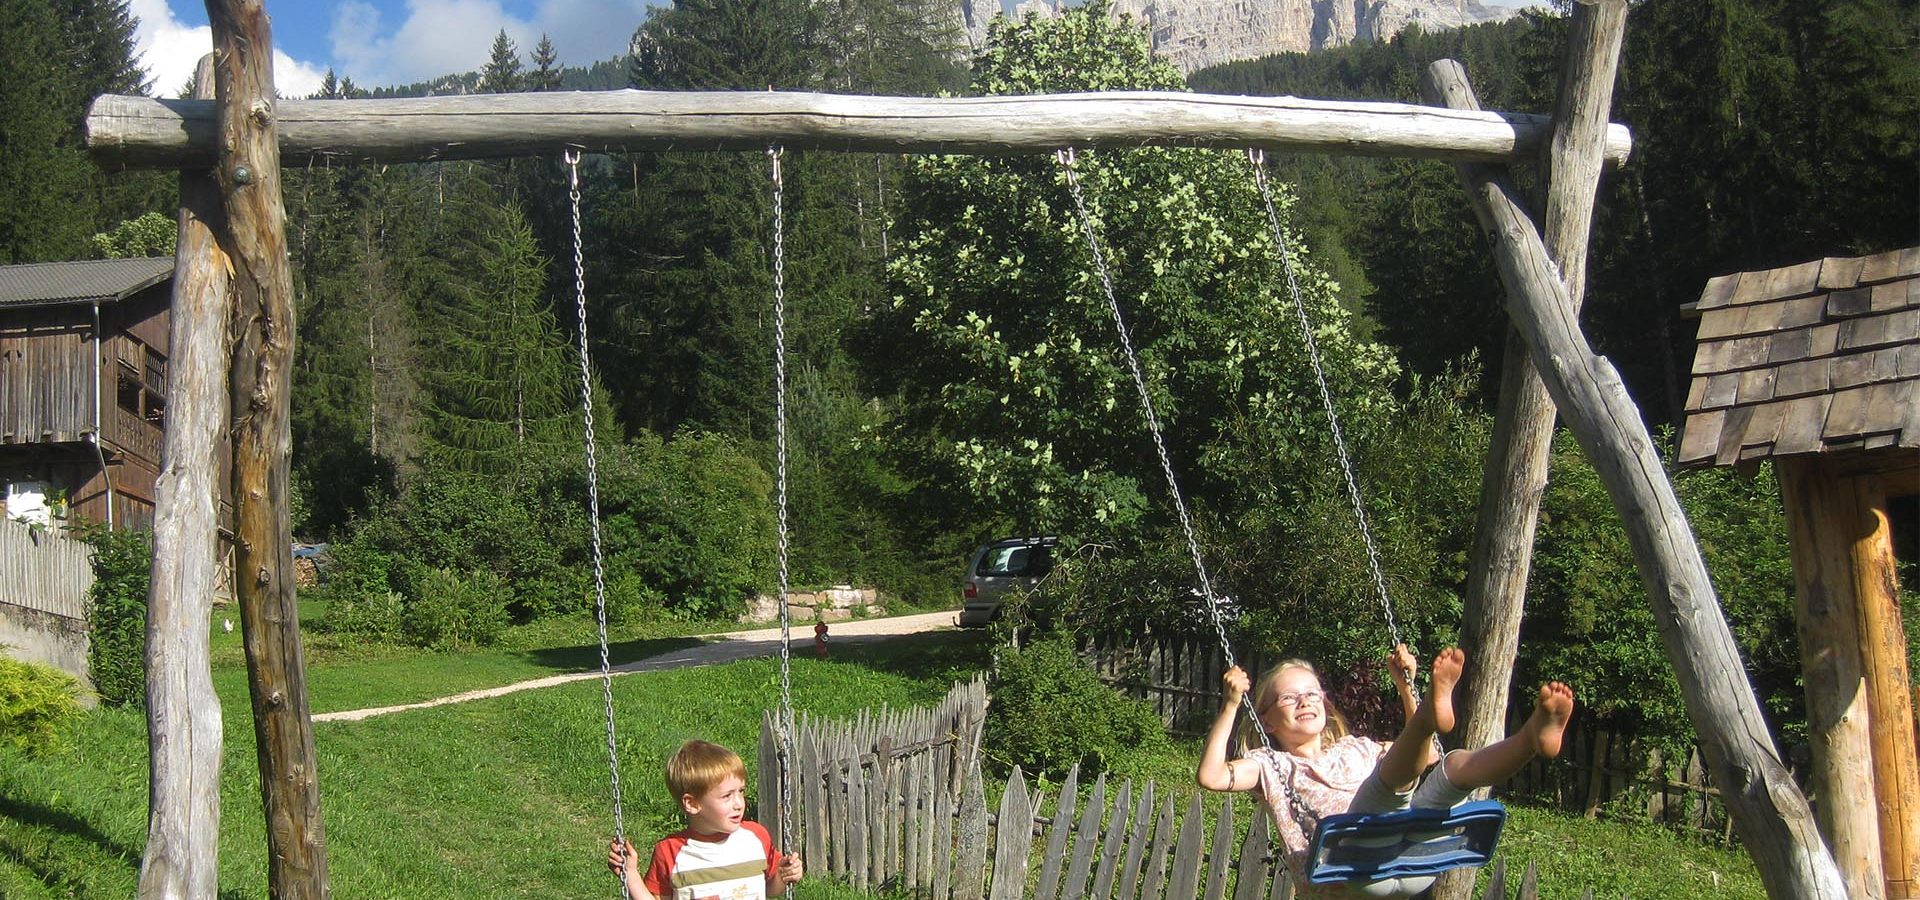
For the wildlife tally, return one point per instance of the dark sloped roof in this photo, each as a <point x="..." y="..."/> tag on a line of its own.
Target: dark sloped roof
<point x="1820" y="356"/>
<point x="39" y="284"/>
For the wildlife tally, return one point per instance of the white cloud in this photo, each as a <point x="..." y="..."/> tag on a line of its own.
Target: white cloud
<point x="442" y="37"/>
<point x="170" y="49"/>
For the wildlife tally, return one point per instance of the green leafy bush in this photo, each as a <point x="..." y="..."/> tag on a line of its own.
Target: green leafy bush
<point x="117" y="615"/>
<point x="1588" y="620"/>
<point x="687" y="526"/>
<point x="37" y="704"/>
<point x="693" y="518"/>
<point x="456" y="609"/>
<point x="380" y="615"/>
<point x="1050" y="712"/>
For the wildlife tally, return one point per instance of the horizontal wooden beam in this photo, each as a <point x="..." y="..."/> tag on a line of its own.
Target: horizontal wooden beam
<point x="148" y="132"/>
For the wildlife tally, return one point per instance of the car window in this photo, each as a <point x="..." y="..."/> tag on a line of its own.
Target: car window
<point x="1015" y="562"/>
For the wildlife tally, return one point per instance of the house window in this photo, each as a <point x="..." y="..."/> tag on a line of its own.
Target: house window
<point x="142" y="389"/>
<point x="127" y="388"/>
<point x="155" y="384"/>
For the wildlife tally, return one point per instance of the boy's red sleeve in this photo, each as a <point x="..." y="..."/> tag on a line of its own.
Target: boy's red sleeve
<point x="766" y="843"/>
<point x="659" y="876"/>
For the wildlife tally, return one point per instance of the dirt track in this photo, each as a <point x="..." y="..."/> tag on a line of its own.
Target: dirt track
<point x="718" y="648"/>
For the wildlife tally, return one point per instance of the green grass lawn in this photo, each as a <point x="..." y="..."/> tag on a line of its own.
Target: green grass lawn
<point x="509" y="797"/>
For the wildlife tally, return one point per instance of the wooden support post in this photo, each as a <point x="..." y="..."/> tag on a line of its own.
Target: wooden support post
<point x="1822" y="527"/>
<point x="1883" y="645"/>
<point x="1515" y="476"/>
<point x="1772" y="814"/>
<point x="255" y="239"/>
<point x="183" y="714"/>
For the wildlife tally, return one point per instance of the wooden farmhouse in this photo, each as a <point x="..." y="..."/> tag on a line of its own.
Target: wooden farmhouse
<point x="83" y="370"/>
<point x="1816" y="367"/>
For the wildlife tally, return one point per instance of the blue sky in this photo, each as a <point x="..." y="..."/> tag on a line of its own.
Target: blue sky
<point x="379" y="42"/>
<point x="383" y="42"/>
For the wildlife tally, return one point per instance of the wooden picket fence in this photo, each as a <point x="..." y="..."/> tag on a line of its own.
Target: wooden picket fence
<point x="47" y="571"/>
<point x="895" y="802"/>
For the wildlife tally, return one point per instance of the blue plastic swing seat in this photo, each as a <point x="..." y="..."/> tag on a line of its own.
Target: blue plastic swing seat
<point x="1405" y="843"/>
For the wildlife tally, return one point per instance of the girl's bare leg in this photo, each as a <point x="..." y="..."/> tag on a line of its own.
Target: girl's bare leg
<point x="1412" y="750"/>
<point x="1540" y="736"/>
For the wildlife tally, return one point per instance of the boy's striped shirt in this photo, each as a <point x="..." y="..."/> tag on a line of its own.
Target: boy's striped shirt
<point x="691" y="866"/>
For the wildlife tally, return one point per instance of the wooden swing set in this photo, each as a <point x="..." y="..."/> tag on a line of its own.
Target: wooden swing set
<point x="232" y="354"/>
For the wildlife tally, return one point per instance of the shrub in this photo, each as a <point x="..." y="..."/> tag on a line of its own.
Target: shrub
<point x="1588" y="620"/>
<point x="692" y="518"/>
<point x="37" y="705"/>
<point x="455" y="609"/>
<point x="117" y="615"/>
<point x="379" y="615"/>
<point x="1050" y="711"/>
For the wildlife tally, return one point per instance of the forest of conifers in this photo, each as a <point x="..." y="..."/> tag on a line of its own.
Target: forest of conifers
<point x="953" y="375"/>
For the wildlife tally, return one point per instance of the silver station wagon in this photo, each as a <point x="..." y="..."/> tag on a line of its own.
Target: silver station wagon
<point x="997" y="569"/>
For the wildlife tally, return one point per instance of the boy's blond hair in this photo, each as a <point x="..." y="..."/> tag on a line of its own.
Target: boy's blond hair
<point x="1336" y="727"/>
<point x="699" y="765"/>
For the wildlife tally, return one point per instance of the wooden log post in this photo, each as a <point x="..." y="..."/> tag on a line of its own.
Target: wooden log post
<point x="1883" y="641"/>
<point x="1515" y="477"/>
<point x="148" y="132"/>
<point x="1822" y="527"/>
<point x="183" y="714"/>
<point x="1774" y="819"/>
<point x="263" y="329"/>
<point x="1853" y="653"/>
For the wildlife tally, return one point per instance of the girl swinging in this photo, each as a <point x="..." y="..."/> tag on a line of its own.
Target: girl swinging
<point x="1315" y="758"/>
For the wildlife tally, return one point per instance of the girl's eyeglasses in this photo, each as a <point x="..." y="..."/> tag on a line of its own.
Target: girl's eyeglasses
<point x="1289" y="700"/>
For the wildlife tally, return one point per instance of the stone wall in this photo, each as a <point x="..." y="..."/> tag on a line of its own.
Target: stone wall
<point x="40" y="637"/>
<point x="834" y="604"/>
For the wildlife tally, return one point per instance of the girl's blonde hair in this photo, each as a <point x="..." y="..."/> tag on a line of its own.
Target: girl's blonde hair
<point x="1336" y="727"/>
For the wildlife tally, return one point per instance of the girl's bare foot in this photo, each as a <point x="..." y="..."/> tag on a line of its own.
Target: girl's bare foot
<point x="1446" y="674"/>
<point x="1549" y="720"/>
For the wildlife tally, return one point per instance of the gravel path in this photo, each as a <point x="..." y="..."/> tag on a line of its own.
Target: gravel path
<point x="719" y="648"/>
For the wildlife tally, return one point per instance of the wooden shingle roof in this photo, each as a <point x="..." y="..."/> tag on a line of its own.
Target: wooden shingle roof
<point x="1821" y="356"/>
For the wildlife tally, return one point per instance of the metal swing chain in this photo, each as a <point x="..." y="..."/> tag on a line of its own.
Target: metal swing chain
<point x="572" y="158"/>
<point x="1258" y="159"/>
<point x="774" y="154"/>
<point x="1303" y="816"/>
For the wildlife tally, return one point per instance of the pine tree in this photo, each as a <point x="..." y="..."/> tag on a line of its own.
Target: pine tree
<point x="546" y="72"/>
<point x="59" y="56"/>
<point x="730" y="45"/>
<point x="504" y="382"/>
<point x="502" y="75"/>
<point x="100" y="47"/>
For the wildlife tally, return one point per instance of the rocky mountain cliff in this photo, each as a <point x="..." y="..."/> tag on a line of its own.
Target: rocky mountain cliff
<point x="1194" y="34"/>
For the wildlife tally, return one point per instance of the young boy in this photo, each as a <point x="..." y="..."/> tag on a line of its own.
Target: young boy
<point x="720" y="854"/>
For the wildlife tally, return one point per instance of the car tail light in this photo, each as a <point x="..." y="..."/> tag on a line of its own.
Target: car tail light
<point x="972" y="592"/>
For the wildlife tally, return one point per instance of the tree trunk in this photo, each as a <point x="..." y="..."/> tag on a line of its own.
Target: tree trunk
<point x="1772" y="814"/>
<point x="263" y="330"/>
<point x="183" y="713"/>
